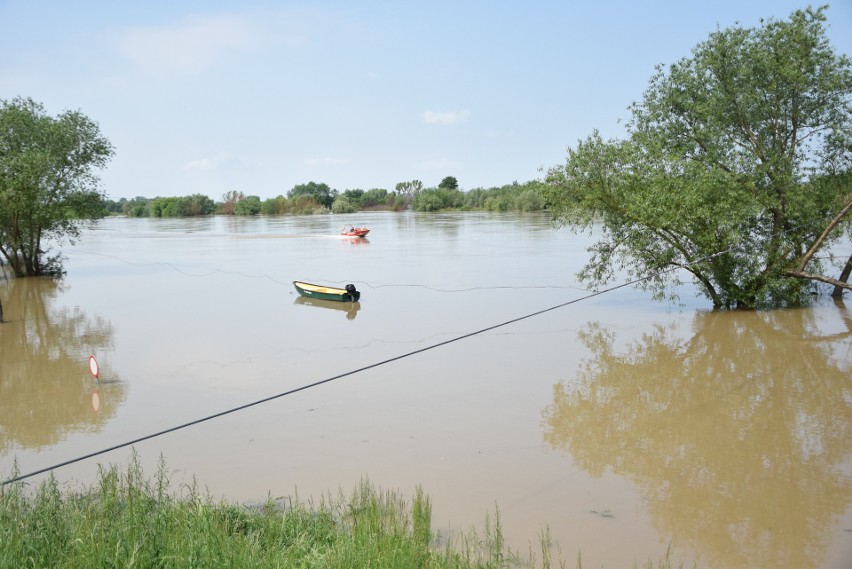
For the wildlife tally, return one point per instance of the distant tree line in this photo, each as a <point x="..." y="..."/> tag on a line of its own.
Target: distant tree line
<point x="318" y="198"/>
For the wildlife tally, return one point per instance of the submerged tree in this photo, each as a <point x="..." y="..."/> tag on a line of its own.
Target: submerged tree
<point x="736" y="169"/>
<point x="48" y="188"/>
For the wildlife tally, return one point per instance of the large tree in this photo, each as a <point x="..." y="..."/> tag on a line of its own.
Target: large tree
<point x="48" y="187"/>
<point x="320" y="192"/>
<point x="449" y="183"/>
<point x="408" y="191"/>
<point x="735" y="169"/>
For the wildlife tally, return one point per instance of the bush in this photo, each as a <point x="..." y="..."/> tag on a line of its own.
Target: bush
<point x="274" y="206"/>
<point x="342" y="204"/>
<point x="530" y="200"/>
<point x="250" y="205"/>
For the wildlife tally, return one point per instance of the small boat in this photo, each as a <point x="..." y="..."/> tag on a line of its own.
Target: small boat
<point x="354" y="231"/>
<point x="346" y="294"/>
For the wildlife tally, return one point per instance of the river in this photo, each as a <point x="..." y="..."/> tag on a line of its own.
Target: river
<point x="474" y="365"/>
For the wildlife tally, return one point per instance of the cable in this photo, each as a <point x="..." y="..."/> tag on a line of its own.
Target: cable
<point x="334" y="378"/>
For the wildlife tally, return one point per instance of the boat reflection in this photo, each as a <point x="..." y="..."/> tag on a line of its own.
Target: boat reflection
<point x="355" y="240"/>
<point x="350" y="308"/>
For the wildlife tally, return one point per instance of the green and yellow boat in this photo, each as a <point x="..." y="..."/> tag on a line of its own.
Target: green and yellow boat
<point x="346" y="294"/>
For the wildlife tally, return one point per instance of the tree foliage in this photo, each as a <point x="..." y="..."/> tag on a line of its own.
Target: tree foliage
<point x="321" y="193"/>
<point x="408" y="191"/>
<point x="735" y="169"/>
<point x="449" y="183"/>
<point x="230" y="200"/>
<point x="250" y="205"/>
<point x="48" y="187"/>
<point x="186" y="206"/>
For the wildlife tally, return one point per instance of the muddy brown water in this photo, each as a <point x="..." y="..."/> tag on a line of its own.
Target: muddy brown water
<point x="624" y="425"/>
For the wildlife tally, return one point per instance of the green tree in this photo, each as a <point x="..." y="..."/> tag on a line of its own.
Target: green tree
<point x="137" y="207"/>
<point x="530" y="200"/>
<point x="274" y="206"/>
<point x="48" y="187"/>
<point x="199" y="204"/>
<point x="342" y="204"/>
<point x="321" y="193"/>
<point x="449" y="183"/>
<point x="250" y="205"/>
<point x="718" y="176"/>
<point x="408" y="191"/>
<point x="354" y="197"/>
<point x="428" y="200"/>
<point x="374" y="197"/>
<point x="169" y="207"/>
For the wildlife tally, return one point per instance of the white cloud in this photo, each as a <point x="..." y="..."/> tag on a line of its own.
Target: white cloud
<point x="445" y="117"/>
<point x="188" y="47"/>
<point x="218" y="162"/>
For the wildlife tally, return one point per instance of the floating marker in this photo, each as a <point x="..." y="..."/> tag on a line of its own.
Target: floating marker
<point x="93" y="366"/>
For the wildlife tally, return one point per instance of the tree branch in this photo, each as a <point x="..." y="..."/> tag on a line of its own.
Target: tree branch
<point x="816" y="245"/>
<point x="814" y="277"/>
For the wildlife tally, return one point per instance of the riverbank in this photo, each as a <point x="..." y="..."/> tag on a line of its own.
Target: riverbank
<point x="126" y="520"/>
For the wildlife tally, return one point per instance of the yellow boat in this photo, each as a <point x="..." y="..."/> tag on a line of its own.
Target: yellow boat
<point x="346" y="294"/>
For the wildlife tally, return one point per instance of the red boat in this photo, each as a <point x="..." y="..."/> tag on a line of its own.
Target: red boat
<point x="354" y="232"/>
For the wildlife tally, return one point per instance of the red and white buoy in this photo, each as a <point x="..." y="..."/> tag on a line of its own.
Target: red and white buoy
<point x="93" y="366"/>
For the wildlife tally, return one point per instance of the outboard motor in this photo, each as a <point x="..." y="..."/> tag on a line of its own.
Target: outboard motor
<point x="350" y="288"/>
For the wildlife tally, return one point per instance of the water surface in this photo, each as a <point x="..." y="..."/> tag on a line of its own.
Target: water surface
<point x="622" y="424"/>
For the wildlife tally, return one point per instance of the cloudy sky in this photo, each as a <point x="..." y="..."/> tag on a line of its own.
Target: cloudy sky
<point x="258" y="96"/>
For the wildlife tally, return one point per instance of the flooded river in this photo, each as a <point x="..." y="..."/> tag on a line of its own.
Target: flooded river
<point x="624" y="425"/>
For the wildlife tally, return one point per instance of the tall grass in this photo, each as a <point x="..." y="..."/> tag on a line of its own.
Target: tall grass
<point x="126" y="520"/>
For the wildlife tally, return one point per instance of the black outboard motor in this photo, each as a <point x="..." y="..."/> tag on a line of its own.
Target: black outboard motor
<point x="350" y="288"/>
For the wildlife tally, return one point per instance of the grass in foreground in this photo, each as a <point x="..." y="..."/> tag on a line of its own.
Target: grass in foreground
<point x="125" y="520"/>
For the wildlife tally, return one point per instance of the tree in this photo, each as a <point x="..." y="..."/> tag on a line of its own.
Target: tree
<point x="274" y="206"/>
<point x="409" y="190"/>
<point x="137" y="207"/>
<point x="230" y="200"/>
<point x="725" y="173"/>
<point x="319" y="192"/>
<point x="250" y="205"/>
<point x="48" y="188"/>
<point x="374" y="197"/>
<point x="199" y="204"/>
<point x="449" y="183"/>
<point x="342" y="204"/>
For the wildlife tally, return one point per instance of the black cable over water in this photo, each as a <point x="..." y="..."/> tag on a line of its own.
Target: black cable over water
<point x="336" y="377"/>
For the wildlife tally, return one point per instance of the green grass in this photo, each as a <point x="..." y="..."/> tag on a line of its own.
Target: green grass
<point x="126" y="520"/>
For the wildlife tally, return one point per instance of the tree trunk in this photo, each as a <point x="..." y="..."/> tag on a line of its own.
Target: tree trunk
<point x="1" y="312"/>
<point x="844" y="277"/>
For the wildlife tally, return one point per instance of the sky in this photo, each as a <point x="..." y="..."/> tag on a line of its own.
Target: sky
<point x="258" y="96"/>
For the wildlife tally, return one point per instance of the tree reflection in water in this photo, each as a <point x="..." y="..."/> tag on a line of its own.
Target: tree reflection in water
<point x="738" y="437"/>
<point x="46" y="389"/>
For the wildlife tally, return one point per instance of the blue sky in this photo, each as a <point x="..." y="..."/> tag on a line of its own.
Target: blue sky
<point x="258" y="96"/>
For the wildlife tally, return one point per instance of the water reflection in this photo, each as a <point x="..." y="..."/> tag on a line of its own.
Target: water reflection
<point x="46" y="388"/>
<point x="350" y="308"/>
<point x="356" y="240"/>
<point x="737" y="436"/>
